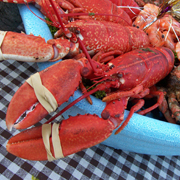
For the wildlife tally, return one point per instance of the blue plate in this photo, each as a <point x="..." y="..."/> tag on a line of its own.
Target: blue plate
<point x="142" y="134"/>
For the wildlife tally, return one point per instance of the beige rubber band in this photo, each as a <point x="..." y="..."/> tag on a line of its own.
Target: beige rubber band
<point x="43" y="95"/>
<point x="46" y="133"/>
<point x="56" y="141"/>
<point x="2" y="35"/>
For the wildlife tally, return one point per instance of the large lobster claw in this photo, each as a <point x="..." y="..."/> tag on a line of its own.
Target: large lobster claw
<point x="70" y="136"/>
<point x="61" y="79"/>
<point x="75" y="134"/>
<point x="22" y="47"/>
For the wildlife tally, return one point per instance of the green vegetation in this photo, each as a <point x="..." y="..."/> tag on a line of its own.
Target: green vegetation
<point x="99" y="94"/>
<point x="34" y="178"/>
<point x="175" y="56"/>
<point x="52" y="28"/>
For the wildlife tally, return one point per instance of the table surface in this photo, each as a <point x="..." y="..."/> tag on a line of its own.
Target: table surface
<point x="98" y="162"/>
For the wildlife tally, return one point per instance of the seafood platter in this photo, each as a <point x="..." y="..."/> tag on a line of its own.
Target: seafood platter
<point x="98" y="121"/>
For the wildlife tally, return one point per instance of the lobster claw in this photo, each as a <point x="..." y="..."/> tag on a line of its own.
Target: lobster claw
<point x="70" y="136"/>
<point x="75" y="134"/>
<point x="30" y="48"/>
<point x="61" y="79"/>
<point x="63" y="47"/>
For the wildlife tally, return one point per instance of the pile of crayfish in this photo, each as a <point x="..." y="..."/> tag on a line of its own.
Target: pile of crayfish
<point x="123" y="48"/>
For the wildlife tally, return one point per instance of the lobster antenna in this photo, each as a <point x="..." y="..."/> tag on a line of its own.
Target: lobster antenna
<point x="96" y="82"/>
<point x="52" y="18"/>
<point x="65" y="30"/>
<point x="173" y="30"/>
<point x="73" y="103"/>
<point x="130" y="8"/>
<point x="98" y="88"/>
<point x="87" y="54"/>
<point x="92" y="14"/>
<point x="69" y="35"/>
<point x="46" y="21"/>
<point x="170" y="26"/>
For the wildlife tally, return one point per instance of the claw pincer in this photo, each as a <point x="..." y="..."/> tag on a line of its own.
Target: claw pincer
<point x="72" y="135"/>
<point x="57" y="79"/>
<point x="30" y="48"/>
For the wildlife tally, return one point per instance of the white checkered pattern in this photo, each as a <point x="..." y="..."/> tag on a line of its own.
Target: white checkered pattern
<point x="98" y="162"/>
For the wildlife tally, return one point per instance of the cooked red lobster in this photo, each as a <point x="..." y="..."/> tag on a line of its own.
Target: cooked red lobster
<point x="129" y="75"/>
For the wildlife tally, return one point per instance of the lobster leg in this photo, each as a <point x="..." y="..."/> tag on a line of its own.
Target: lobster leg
<point x="165" y="109"/>
<point x="136" y="92"/>
<point x="160" y="96"/>
<point x="103" y="57"/>
<point x="133" y="109"/>
<point x="117" y="95"/>
<point x="76" y="133"/>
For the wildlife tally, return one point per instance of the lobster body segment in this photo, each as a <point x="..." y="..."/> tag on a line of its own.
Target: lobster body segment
<point x="145" y="66"/>
<point x="106" y="7"/>
<point x="108" y="36"/>
<point x="95" y="35"/>
<point x="130" y="7"/>
<point x="100" y="7"/>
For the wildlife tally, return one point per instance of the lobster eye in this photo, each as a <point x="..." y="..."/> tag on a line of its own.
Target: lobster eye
<point x="77" y="31"/>
<point x="119" y="75"/>
<point x="112" y="66"/>
<point x="71" y="19"/>
<point x="85" y="71"/>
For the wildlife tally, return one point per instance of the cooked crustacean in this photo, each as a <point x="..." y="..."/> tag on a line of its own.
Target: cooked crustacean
<point x="162" y="29"/>
<point x="121" y="74"/>
<point x="170" y="106"/>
